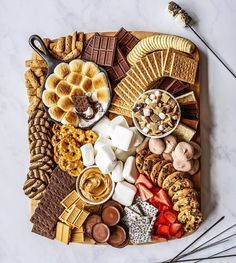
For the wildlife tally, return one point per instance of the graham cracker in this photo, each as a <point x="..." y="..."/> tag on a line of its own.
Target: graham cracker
<point x="148" y="69"/>
<point x="123" y="95"/>
<point x="157" y="60"/>
<point x="184" y="132"/>
<point x="134" y="74"/>
<point x="131" y="88"/>
<point x="163" y="56"/>
<point x="140" y="68"/>
<point x="120" y="111"/>
<point x="167" y="62"/>
<point x="183" y="68"/>
<point x="151" y="61"/>
<point x="119" y="102"/>
<point x="138" y="89"/>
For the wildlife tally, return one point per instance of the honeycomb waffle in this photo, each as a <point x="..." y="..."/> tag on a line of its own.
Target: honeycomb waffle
<point x="68" y="80"/>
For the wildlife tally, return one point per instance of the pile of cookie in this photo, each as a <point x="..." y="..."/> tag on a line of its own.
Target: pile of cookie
<point x="151" y="187"/>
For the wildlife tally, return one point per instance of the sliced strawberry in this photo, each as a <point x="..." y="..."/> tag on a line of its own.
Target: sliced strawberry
<point x="161" y="207"/>
<point x="144" y="192"/>
<point x="163" y="230"/>
<point x="162" y="197"/>
<point x="174" y="228"/>
<point x="155" y="190"/>
<point x="159" y="237"/>
<point x="142" y="179"/>
<point x="179" y="233"/>
<point x="170" y="216"/>
<point x="161" y="220"/>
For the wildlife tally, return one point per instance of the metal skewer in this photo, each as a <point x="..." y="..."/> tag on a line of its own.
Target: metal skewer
<point x="180" y="253"/>
<point x="214" y="53"/>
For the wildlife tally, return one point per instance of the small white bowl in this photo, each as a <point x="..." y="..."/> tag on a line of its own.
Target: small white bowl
<point x="165" y="134"/>
<point x="83" y="198"/>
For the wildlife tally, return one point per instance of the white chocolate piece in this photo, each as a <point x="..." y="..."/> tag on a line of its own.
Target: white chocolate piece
<point x="138" y="138"/>
<point x="122" y="137"/>
<point x="105" y="159"/>
<point x="103" y="127"/>
<point x="119" y="120"/>
<point x="87" y="152"/>
<point x="124" y="193"/>
<point x="130" y="172"/>
<point x="116" y="174"/>
<point x="123" y="155"/>
<point x="146" y="112"/>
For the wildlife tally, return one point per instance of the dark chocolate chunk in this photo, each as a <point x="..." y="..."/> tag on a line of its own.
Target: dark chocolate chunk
<point x="190" y="110"/>
<point x="121" y="66"/>
<point x="191" y="123"/>
<point x="103" y="50"/>
<point x="126" y="41"/>
<point x="81" y="103"/>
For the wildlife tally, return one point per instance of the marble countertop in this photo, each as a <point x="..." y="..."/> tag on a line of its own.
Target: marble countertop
<point x="215" y="20"/>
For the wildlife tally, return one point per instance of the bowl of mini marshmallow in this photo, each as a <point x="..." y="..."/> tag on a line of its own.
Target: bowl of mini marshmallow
<point x="156" y="113"/>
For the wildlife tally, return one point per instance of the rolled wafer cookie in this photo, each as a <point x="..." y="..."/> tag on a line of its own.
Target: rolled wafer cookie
<point x="158" y="42"/>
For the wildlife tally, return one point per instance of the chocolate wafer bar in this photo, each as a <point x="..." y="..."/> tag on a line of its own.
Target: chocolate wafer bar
<point x="121" y="66"/>
<point x="126" y="41"/>
<point x="49" y="234"/>
<point x="103" y="50"/>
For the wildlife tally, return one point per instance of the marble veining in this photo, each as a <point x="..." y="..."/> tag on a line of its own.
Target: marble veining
<point x="215" y="20"/>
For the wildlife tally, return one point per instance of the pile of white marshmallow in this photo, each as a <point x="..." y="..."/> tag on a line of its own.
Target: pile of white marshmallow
<point x="113" y="153"/>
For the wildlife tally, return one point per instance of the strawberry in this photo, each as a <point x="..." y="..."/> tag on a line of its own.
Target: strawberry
<point x="170" y="216"/>
<point x="179" y="233"/>
<point x="163" y="230"/>
<point x="142" y="179"/>
<point x="144" y="192"/>
<point x="162" y="207"/>
<point x="161" y="220"/>
<point x="175" y="228"/>
<point x="155" y="190"/>
<point x="162" y="197"/>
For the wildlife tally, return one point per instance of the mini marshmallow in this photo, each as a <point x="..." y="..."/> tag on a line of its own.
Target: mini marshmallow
<point x="145" y="130"/>
<point x="162" y="115"/>
<point x="123" y="155"/>
<point x="102" y="141"/>
<point x="146" y="112"/>
<point x="161" y="127"/>
<point x="103" y="127"/>
<point x="122" y="138"/>
<point x="124" y="193"/>
<point x="152" y="97"/>
<point x="138" y="138"/>
<point x="119" y="120"/>
<point x="147" y="101"/>
<point x="87" y="153"/>
<point x="105" y="159"/>
<point x="116" y="174"/>
<point x="175" y="117"/>
<point x="157" y="93"/>
<point x="130" y="172"/>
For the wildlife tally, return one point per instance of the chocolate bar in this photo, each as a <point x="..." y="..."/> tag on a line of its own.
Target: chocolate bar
<point x="103" y="50"/>
<point x="175" y="87"/>
<point x="190" y="110"/>
<point x="88" y="48"/>
<point x="126" y="41"/>
<point x="191" y="123"/>
<point x="121" y="66"/>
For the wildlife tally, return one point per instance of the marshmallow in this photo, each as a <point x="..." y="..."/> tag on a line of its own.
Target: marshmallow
<point x="102" y="141"/>
<point x="89" y="111"/>
<point x="105" y="159"/>
<point x="122" y="138"/>
<point x="124" y="193"/>
<point x="87" y="152"/>
<point x="138" y="138"/>
<point x="147" y="101"/>
<point x="146" y="112"/>
<point x="116" y="174"/>
<point x="123" y="155"/>
<point x="145" y="130"/>
<point x="162" y="115"/>
<point x="161" y="127"/>
<point x="119" y="120"/>
<point x="103" y="127"/>
<point x="130" y="172"/>
<point x="157" y="93"/>
<point x="152" y="97"/>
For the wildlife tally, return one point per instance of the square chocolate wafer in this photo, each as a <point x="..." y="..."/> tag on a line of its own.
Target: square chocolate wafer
<point x="103" y="50"/>
<point x="49" y="234"/>
<point x="120" y="67"/>
<point x="126" y="41"/>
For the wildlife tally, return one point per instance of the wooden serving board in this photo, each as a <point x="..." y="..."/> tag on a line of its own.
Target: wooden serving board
<point x="196" y="88"/>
